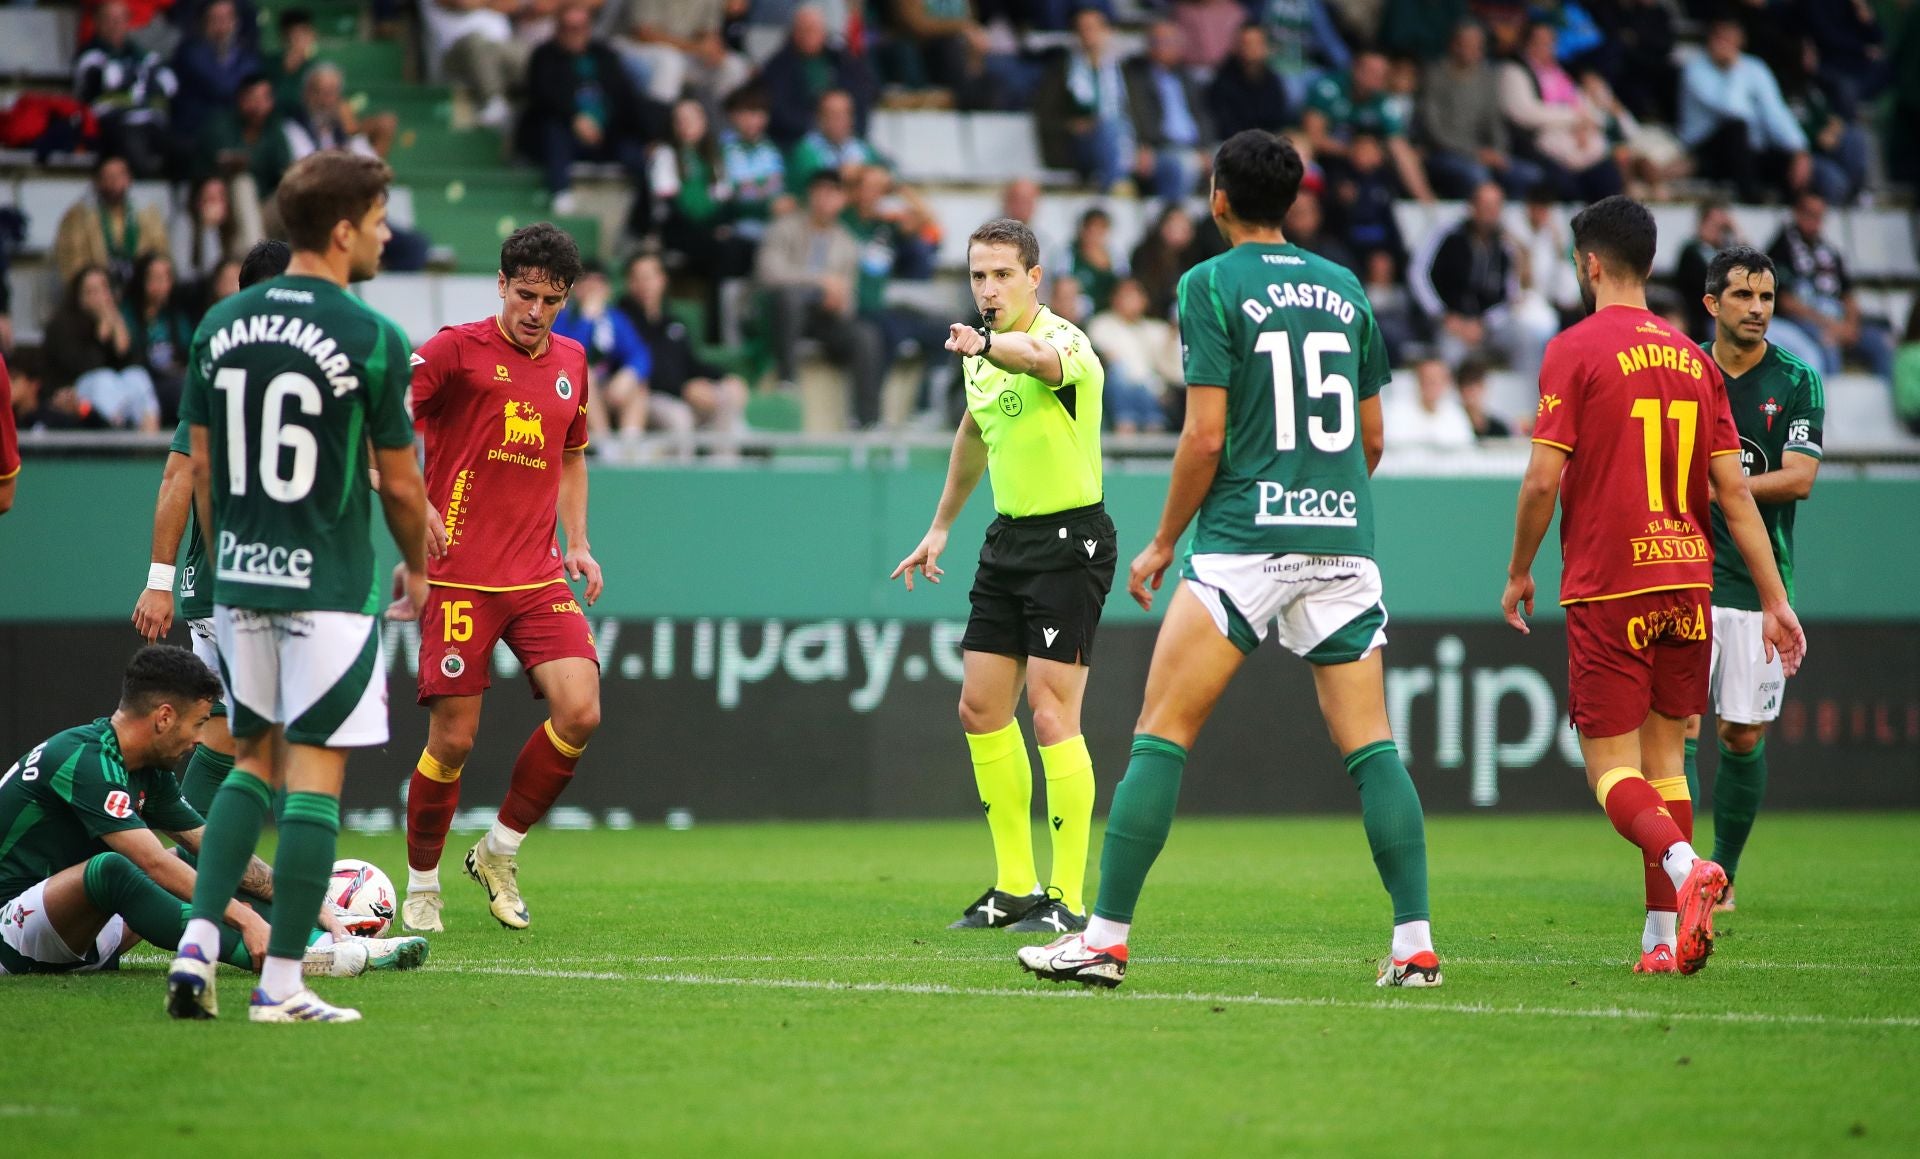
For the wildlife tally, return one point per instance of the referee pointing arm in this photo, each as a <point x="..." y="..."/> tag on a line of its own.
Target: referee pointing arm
<point x="1033" y="420"/>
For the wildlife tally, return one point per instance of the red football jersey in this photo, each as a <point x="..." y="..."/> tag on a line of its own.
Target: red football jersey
<point x="495" y="421"/>
<point x="1640" y="409"/>
<point x="9" y="446"/>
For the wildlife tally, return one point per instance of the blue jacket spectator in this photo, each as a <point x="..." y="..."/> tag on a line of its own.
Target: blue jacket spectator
<point x="803" y="71"/>
<point x="210" y="67"/>
<point x="618" y="357"/>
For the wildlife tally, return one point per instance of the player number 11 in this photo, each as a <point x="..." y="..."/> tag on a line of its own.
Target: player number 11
<point x="1685" y="414"/>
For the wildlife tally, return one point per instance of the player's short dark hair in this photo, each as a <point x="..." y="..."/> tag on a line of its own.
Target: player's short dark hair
<point x="268" y="258"/>
<point x="165" y="673"/>
<point x="1621" y="231"/>
<point x="1259" y="172"/>
<point x="326" y="188"/>
<point x="542" y="248"/>
<point x="1737" y="257"/>
<point x="1009" y="231"/>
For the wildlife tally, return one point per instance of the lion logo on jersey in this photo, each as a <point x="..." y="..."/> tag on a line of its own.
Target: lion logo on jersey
<point x="523" y="426"/>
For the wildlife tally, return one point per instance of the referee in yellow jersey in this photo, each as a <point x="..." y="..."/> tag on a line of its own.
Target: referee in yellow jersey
<point x="1033" y="423"/>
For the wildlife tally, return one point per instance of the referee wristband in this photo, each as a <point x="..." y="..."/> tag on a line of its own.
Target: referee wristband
<point x="160" y="577"/>
<point x="986" y="332"/>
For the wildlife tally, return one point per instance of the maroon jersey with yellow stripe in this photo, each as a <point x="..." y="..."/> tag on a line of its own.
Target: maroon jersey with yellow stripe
<point x="496" y="422"/>
<point x="1640" y="409"/>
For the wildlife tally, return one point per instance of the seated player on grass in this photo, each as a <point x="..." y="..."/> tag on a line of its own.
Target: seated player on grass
<point x="81" y="863"/>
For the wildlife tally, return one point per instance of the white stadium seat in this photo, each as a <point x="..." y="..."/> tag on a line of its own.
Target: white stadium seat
<point x="465" y="297"/>
<point x="1881" y="244"/>
<point x="410" y="300"/>
<point x="924" y="145"/>
<point x="37" y="42"/>
<point x="1003" y="146"/>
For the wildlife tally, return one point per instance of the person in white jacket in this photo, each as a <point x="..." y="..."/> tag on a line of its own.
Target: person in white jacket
<point x="1142" y="357"/>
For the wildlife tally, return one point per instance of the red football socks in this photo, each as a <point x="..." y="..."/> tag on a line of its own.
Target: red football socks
<point x="1637" y="812"/>
<point x="432" y="795"/>
<point x="540" y="775"/>
<point x="1661" y="894"/>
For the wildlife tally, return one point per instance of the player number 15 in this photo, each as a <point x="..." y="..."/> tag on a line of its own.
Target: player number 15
<point x="1277" y="346"/>
<point x="1685" y="414"/>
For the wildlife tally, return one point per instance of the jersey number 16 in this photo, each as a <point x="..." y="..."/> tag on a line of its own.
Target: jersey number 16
<point x="276" y="436"/>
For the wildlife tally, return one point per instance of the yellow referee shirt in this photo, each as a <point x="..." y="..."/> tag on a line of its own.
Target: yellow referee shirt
<point x="1043" y="443"/>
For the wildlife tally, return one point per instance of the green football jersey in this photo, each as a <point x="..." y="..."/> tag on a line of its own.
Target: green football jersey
<point x="292" y="378"/>
<point x="1779" y="407"/>
<point x="192" y="586"/>
<point x="66" y="793"/>
<point x="1292" y="339"/>
<point x="1043" y="442"/>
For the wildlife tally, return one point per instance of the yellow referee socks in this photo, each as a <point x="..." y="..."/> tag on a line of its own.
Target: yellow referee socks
<point x="1069" y="769"/>
<point x="1005" y="779"/>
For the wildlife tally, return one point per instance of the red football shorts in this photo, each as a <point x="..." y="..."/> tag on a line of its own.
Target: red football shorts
<point x="460" y="627"/>
<point x="1641" y="653"/>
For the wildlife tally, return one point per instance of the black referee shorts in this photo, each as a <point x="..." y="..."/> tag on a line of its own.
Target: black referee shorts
<point x="1041" y="584"/>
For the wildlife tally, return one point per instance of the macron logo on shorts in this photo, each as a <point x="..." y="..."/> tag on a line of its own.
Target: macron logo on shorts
<point x="1050" y="633"/>
<point x="1090" y="545"/>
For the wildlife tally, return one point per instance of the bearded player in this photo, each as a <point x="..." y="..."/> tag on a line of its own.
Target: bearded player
<point x="501" y="405"/>
<point x="1633" y="422"/>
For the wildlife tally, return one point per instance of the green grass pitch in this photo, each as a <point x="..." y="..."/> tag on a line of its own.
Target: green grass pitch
<point x="790" y="990"/>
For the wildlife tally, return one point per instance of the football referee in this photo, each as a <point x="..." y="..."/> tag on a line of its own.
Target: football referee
<point x="1033" y="422"/>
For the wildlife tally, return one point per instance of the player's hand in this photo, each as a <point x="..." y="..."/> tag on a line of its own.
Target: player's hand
<point x="964" y="340"/>
<point x="1519" y="593"/>
<point x="402" y="607"/>
<point x="580" y="562"/>
<point x="330" y="921"/>
<point x="436" y="534"/>
<point x="1781" y="634"/>
<point x="253" y="935"/>
<point x="926" y="557"/>
<point x="1148" y="572"/>
<point x="153" y="614"/>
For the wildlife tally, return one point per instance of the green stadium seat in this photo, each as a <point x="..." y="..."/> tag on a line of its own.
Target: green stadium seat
<point x="366" y="61"/>
<point x="776" y="412"/>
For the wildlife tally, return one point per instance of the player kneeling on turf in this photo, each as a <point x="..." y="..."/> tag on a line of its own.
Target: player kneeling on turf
<point x="1284" y="365"/>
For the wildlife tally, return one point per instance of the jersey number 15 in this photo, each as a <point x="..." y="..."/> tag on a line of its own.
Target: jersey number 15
<point x="1277" y="345"/>
<point x="276" y="436"/>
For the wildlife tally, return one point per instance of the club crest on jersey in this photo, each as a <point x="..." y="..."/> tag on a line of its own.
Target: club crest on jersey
<point x="523" y="426"/>
<point x="563" y="386"/>
<point x="452" y="665"/>
<point x="1770" y="408"/>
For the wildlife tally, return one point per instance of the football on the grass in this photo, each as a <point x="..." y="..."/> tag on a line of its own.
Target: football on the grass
<point x="364" y="896"/>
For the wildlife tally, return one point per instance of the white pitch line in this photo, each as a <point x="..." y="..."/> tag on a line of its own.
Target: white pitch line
<point x="1395" y="1004"/>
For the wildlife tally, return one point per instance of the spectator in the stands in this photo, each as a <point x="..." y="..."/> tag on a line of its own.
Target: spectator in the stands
<point x="1736" y="123"/>
<point x="896" y="229"/>
<point x="1081" y="110"/>
<point x="248" y="140"/>
<point x="1431" y="417"/>
<point x="39" y="405"/>
<point x="834" y="145"/>
<point x="1816" y="297"/>
<point x="162" y="330"/>
<point x="751" y="164"/>
<point x="104" y="228"/>
<point x="802" y="72"/>
<point x="692" y="200"/>
<point x="1246" y="93"/>
<point x="1467" y="280"/>
<point x="1090" y="259"/>
<point x="1548" y="247"/>
<point x="617" y="357"/>
<point x="1142" y="359"/>
<point x="1209" y="28"/>
<point x="1068" y="300"/>
<point x="1305" y="226"/>
<point x="1360" y="210"/>
<point x="1419" y="28"/>
<point x="1849" y="60"/>
<point x="210" y="66"/>
<point x="299" y="50"/>
<point x="205" y="232"/>
<point x="1162" y="256"/>
<point x="1647" y="157"/>
<point x="1716" y="231"/>
<point x="1170" y="117"/>
<point x="128" y="89"/>
<point x="581" y="106"/>
<point x="1461" y="123"/>
<point x="1555" y="122"/>
<point x="810" y="267"/>
<point x="1642" y="34"/>
<point x="932" y="43"/>
<point x="1341" y="107"/>
<point x="1020" y="199"/>
<point x="1841" y="147"/>
<point x="672" y="47"/>
<point x="1401" y="324"/>
<point x="1307" y="44"/>
<point x="1906" y="374"/>
<point x="471" y="43"/>
<point x="225" y="283"/>
<point x="1471" y="379"/>
<point x="319" y="121"/>
<point x="90" y="348"/>
<point x="685" y="393"/>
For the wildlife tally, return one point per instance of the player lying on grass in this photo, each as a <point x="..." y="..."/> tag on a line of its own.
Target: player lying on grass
<point x="1034" y="392"/>
<point x="501" y="408"/>
<point x="1284" y="365"/>
<point x="1633" y="421"/>
<point x="1779" y="409"/>
<point x="81" y="864"/>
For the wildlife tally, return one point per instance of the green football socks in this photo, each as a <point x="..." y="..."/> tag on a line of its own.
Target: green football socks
<point x="1390" y="810"/>
<point x="115" y="885"/>
<point x="1690" y="764"/>
<point x="1737" y="790"/>
<point x="239" y="810"/>
<point x="1004" y="776"/>
<point x="206" y="772"/>
<point x="309" y="829"/>
<point x="1069" y="769"/>
<point x="1138" y="823"/>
